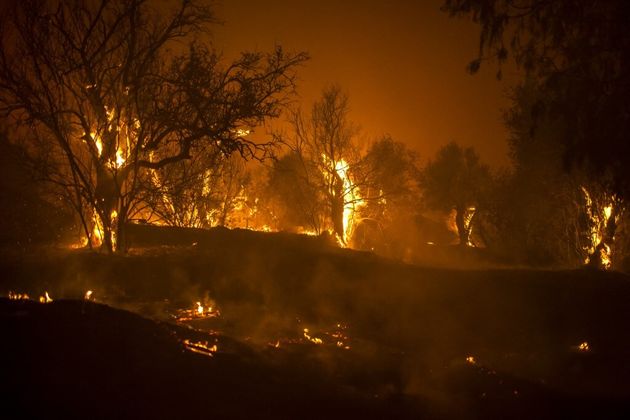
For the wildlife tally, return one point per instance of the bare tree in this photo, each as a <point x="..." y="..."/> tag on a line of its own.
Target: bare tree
<point x="121" y="90"/>
<point x="324" y="142"/>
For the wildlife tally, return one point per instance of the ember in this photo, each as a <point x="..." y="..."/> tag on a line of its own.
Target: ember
<point x="198" y="311"/>
<point x="18" y="296"/>
<point x="200" y="347"/>
<point x="314" y="340"/>
<point x="583" y="346"/>
<point x="45" y="299"/>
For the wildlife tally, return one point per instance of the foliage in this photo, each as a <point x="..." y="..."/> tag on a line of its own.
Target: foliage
<point x="577" y="52"/>
<point x="324" y="144"/>
<point x="389" y="175"/>
<point x="294" y="191"/>
<point x="114" y="89"/>
<point x="456" y="180"/>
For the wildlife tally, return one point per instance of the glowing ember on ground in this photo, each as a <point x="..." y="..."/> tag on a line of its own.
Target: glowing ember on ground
<point x="315" y="340"/>
<point x="197" y="312"/>
<point x="45" y="299"/>
<point x="471" y="360"/>
<point x="200" y="347"/>
<point x="88" y="295"/>
<point x="583" y="346"/>
<point x="18" y="296"/>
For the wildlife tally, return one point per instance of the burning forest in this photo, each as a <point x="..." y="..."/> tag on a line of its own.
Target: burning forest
<point x="360" y="223"/>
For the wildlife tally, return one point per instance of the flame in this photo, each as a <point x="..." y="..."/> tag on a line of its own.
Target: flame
<point x="120" y="160"/>
<point x="88" y="295"/>
<point x="308" y="232"/>
<point x="198" y="311"/>
<point x="114" y="223"/>
<point x="352" y="200"/>
<point x="45" y="299"/>
<point x="471" y="360"/>
<point x="314" y="340"/>
<point x="98" y="143"/>
<point x="200" y="347"/>
<point x="598" y="224"/>
<point x="470" y="213"/>
<point x="97" y="229"/>
<point x="451" y="224"/>
<point x="18" y="296"/>
<point x="583" y="346"/>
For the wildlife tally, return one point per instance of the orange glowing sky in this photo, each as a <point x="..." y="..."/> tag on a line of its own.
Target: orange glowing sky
<point x="402" y="62"/>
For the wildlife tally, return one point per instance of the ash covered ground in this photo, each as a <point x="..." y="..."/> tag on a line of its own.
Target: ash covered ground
<point x="239" y="324"/>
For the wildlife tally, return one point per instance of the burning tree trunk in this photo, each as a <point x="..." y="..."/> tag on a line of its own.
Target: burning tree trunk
<point x="101" y="80"/>
<point x="337" y="204"/>
<point x="603" y="215"/>
<point x="462" y="232"/>
<point x="463" y="222"/>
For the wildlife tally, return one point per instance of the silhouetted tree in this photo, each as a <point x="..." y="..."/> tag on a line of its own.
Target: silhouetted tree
<point x="578" y="52"/>
<point x="575" y="55"/>
<point x="30" y="215"/>
<point x="182" y="194"/>
<point x="296" y="195"/>
<point x="389" y="189"/>
<point x="324" y="140"/>
<point x="456" y="180"/>
<point x="121" y="89"/>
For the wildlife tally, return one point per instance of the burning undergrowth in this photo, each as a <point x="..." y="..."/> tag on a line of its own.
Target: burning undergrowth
<point x="448" y="340"/>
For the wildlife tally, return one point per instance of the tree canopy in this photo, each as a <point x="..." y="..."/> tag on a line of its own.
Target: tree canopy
<point x="577" y="52"/>
<point x="455" y="180"/>
<point x="109" y="90"/>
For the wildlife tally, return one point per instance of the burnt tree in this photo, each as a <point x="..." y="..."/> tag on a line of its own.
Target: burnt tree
<point x="120" y="88"/>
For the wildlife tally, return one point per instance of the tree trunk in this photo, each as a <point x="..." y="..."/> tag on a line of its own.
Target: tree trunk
<point x="462" y="230"/>
<point x="337" y="206"/>
<point x="336" y="215"/>
<point x="107" y="194"/>
<point x="600" y="258"/>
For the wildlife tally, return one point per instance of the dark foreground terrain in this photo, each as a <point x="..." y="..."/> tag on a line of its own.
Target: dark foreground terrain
<point x="291" y="328"/>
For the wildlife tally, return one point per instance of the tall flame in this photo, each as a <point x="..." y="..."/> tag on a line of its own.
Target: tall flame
<point x="598" y="223"/>
<point x="352" y="200"/>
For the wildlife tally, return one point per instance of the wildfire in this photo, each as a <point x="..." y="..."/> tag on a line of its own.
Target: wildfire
<point x="470" y="213"/>
<point x="200" y="347"/>
<point x="599" y="219"/>
<point x="352" y="200"/>
<point x="18" y="296"/>
<point x="584" y="347"/>
<point x="314" y="340"/>
<point x="196" y="312"/>
<point x="97" y="229"/>
<point x="45" y="299"/>
<point x="451" y="224"/>
<point x="88" y="295"/>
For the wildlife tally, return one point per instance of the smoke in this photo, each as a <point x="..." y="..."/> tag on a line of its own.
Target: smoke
<point x="403" y="329"/>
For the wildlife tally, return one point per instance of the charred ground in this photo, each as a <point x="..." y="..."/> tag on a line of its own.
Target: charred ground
<point x="420" y="341"/>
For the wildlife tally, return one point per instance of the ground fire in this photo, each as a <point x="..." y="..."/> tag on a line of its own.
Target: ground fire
<point x="333" y="210"/>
